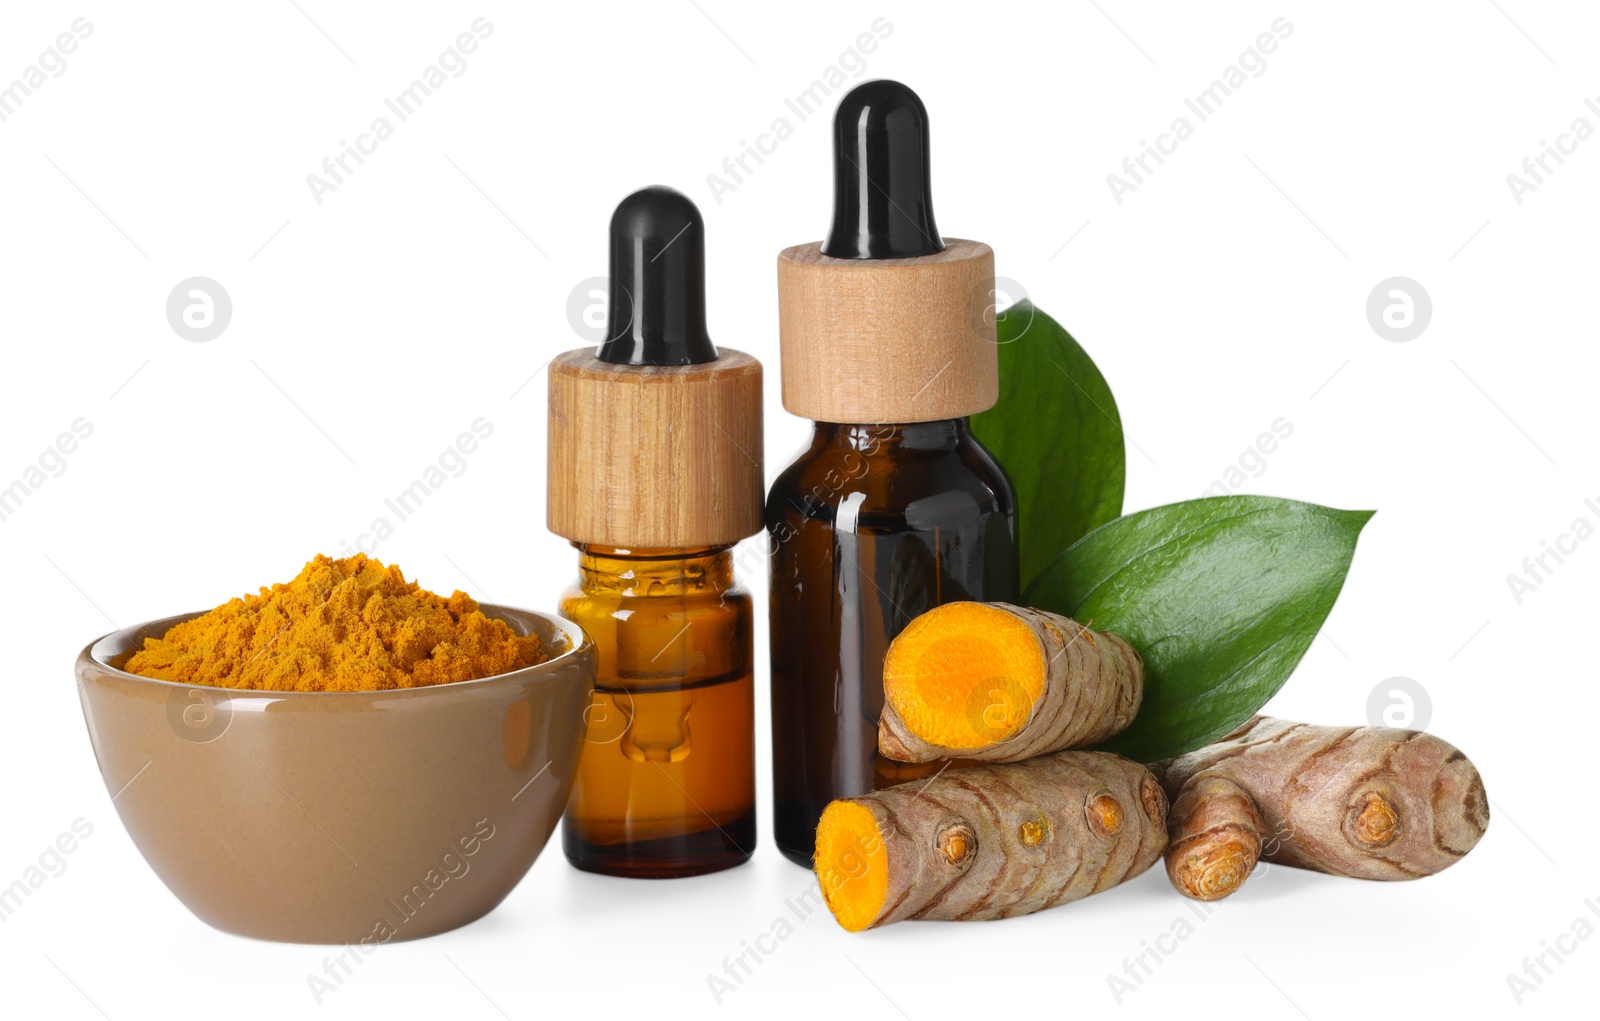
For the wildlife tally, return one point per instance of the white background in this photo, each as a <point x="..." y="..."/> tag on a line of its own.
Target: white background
<point x="1227" y="291"/>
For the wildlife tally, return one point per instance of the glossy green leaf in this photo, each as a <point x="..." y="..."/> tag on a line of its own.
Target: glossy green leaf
<point x="1057" y="432"/>
<point x="1221" y="597"/>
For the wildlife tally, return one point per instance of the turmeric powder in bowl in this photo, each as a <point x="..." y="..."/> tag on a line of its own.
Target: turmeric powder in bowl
<point x="340" y="625"/>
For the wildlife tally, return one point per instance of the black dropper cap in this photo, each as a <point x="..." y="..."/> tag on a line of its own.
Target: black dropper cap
<point x="657" y="313"/>
<point x="882" y="204"/>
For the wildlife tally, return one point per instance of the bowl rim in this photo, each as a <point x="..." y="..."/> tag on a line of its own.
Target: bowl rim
<point x="577" y="640"/>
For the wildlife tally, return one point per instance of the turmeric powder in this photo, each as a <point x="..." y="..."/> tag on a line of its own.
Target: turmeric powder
<point x="340" y="625"/>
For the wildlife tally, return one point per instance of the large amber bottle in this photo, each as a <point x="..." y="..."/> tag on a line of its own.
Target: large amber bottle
<point x="655" y="473"/>
<point x="888" y="343"/>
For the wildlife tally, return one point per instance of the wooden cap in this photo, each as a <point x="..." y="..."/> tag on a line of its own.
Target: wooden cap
<point x="655" y="457"/>
<point x="888" y="340"/>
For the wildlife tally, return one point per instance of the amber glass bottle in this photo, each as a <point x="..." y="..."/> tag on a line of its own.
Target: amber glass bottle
<point x="870" y="526"/>
<point x="667" y="783"/>
<point x="884" y="321"/>
<point x="655" y="472"/>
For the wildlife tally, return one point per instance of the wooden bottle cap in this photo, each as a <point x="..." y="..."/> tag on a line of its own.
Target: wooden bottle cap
<point x="655" y="457"/>
<point x="888" y="340"/>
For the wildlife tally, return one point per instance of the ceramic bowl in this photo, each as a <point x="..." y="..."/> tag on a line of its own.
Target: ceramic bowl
<point x="341" y="817"/>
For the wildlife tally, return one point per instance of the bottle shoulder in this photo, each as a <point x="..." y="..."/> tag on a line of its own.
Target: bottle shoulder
<point x="962" y="477"/>
<point x="620" y="578"/>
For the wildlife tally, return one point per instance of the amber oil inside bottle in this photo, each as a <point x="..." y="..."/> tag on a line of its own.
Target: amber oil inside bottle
<point x="666" y="784"/>
<point x="871" y="526"/>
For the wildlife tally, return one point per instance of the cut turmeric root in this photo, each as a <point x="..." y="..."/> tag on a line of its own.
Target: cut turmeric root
<point x="1002" y="683"/>
<point x="1366" y="802"/>
<point x="990" y="841"/>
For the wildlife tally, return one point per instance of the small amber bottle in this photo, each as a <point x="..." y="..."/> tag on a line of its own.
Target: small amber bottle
<point x="655" y="474"/>
<point x="888" y="343"/>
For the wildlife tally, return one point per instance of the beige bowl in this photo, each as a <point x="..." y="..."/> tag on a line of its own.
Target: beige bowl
<point x="341" y="817"/>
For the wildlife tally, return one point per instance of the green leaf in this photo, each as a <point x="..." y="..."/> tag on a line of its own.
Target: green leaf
<point x="1221" y="597"/>
<point x="1057" y="432"/>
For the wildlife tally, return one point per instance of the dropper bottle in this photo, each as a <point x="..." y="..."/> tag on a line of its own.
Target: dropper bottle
<point x="654" y="475"/>
<point x="888" y="343"/>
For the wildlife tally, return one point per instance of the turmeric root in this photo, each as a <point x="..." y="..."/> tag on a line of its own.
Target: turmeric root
<point x="990" y="841"/>
<point x="1000" y="683"/>
<point x="1216" y="835"/>
<point x="1365" y="802"/>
